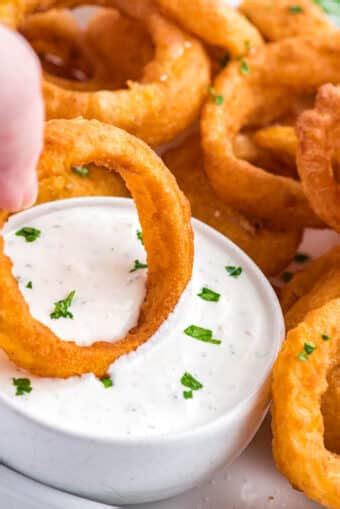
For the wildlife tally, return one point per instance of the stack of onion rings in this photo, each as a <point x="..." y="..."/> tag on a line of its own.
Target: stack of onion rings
<point x="255" y="94"/>
<point x="165" y="218"/>
<point x="158" y="107"/>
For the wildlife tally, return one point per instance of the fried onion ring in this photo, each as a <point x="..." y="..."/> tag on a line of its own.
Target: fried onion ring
<point x="165" y="218"/>
<point x="279" y="19"/>
<point x="168" y="96"/>
<point x="298" y="388"/>
<point x="254" y="96"/>
<point x="318" y="133"/>
<point x="271" y="250"/>
<point x="216" y="23"/>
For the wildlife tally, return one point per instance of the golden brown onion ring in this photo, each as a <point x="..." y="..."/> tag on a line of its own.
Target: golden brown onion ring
<point x="164" y="214"/>
<point x="271" y="250"/>
<point x="159" y="106"/>
<point x="298" y="388"/>
<point x="255" y="93"/>
<point x="279" y="19"/>
<point x="216" y="23"/>
<point x="318" y="133"/>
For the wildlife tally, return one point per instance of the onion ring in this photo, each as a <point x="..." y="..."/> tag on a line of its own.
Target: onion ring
<point x="279" y="19"/>
<point x="308" y="356"/>
<point x="158" y="107"/>
<point x="165" y="218"/>
<point x="216" y="23"/>
<point x="318" y="134"/>
<point x="260" y="90"/>
<point x="271" y="250"/>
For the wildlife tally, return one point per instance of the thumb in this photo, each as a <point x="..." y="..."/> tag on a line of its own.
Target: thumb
<point x="21" y="121"/>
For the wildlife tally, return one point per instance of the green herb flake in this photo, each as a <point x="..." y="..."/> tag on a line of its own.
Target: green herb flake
<point x="30" y="234"/>
<point x="324" y="337"/>
<point x="216" y="98"/>
<point x="286" y="276"/>
<point x="308" y="349"/>
<point x="244" y="66"/>
<point x="295" y="9"/>
<point x="247" y="45"/>
<point x="107" y="382"/>
<point x="224" y="60"/>
<point x="22" y="385"/>
<point x="233" y="271"/>
<point x="29" y="285"/>
<point x="191" y="383"/>
<point x="82" y="171"/>
<point x="303" y="356"/>
<point x="140" y="236"/>
<point x="201" y="334"/>
<point x="138" y="265"/>
<point x="188" y="394"/>
<point x="301" y="258"/>
<point x="61" y="307"/>
<point x="209" y="295"/>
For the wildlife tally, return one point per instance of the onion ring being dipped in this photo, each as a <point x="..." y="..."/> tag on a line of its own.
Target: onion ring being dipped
<point x="300" y="380"/>
<point x="216" y="23"/>
<point x="165" y="100"/>
<point x="165" y="219"/>
<point x="271" y="250"/>
<point x="279" y="19"/>
<point x="318" y="155"/>
<point x="253" y="93"/>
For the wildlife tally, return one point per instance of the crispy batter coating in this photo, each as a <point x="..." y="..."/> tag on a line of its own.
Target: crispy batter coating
<point x="271" y="250"/>
<point x="164" y="214"/>
<point x="216" y="23"/>
<point x="298" y="388"/>
<point x="303" y="281"/>
<point x="254" y="95"/>
<point x="318" y="133"/>
<point x="280" y="141"/>
<point x="279" y="19"/>
<point x="162" y="103"/>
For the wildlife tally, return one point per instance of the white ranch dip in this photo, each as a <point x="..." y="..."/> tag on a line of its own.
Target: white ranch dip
<point x="91" y="250"/>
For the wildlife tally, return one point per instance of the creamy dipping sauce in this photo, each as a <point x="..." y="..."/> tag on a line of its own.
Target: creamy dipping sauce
<point x="91" y="250"/>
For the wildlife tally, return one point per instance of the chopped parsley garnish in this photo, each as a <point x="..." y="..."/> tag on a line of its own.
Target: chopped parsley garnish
<point x="216" y="98"/>
<point x="233" y="271"/>
<point x="23" y="386"/>
<point x="140" y="236"/>
<point x="30" y="234"/>
<point x="301" y="258"/>
<point x="139" y="265"/>
<point x="29" y="285"/>
<point x="107" y="382"/>
<point x="61" y="307"/>
<point x="224" y="60"/>
<point x="201" y="334"/>
<point x="308" y="349"/>
<point x="295" y="9"/>
<point x="190" y="383"/>
<point x="244" y="66"/>
<point x="286" y="276"/>
<point x="324" y="337"/>
<point x="209" y="295"/>
<point x="82" y="171"/>
<point x="247" y="45"/>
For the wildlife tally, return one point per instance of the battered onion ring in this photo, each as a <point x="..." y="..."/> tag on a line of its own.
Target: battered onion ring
<point x="318" y="134"/>
<point x="298" y="426"/>
<point x="277" y="19"/>
<point x="216" y="23"/>
<point x="271" y="250"/>
<point x="167" y="98"/>
<point x="303" y="281"/>
<point x="277" y="75"/>
<point x="165" y="218"/>
<point x="280" y="141"/>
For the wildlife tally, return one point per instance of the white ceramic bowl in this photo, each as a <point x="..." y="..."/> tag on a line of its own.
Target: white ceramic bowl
<point x="136" y="470"/>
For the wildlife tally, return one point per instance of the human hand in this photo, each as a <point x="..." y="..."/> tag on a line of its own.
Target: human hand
<point x="21" y="121"/>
